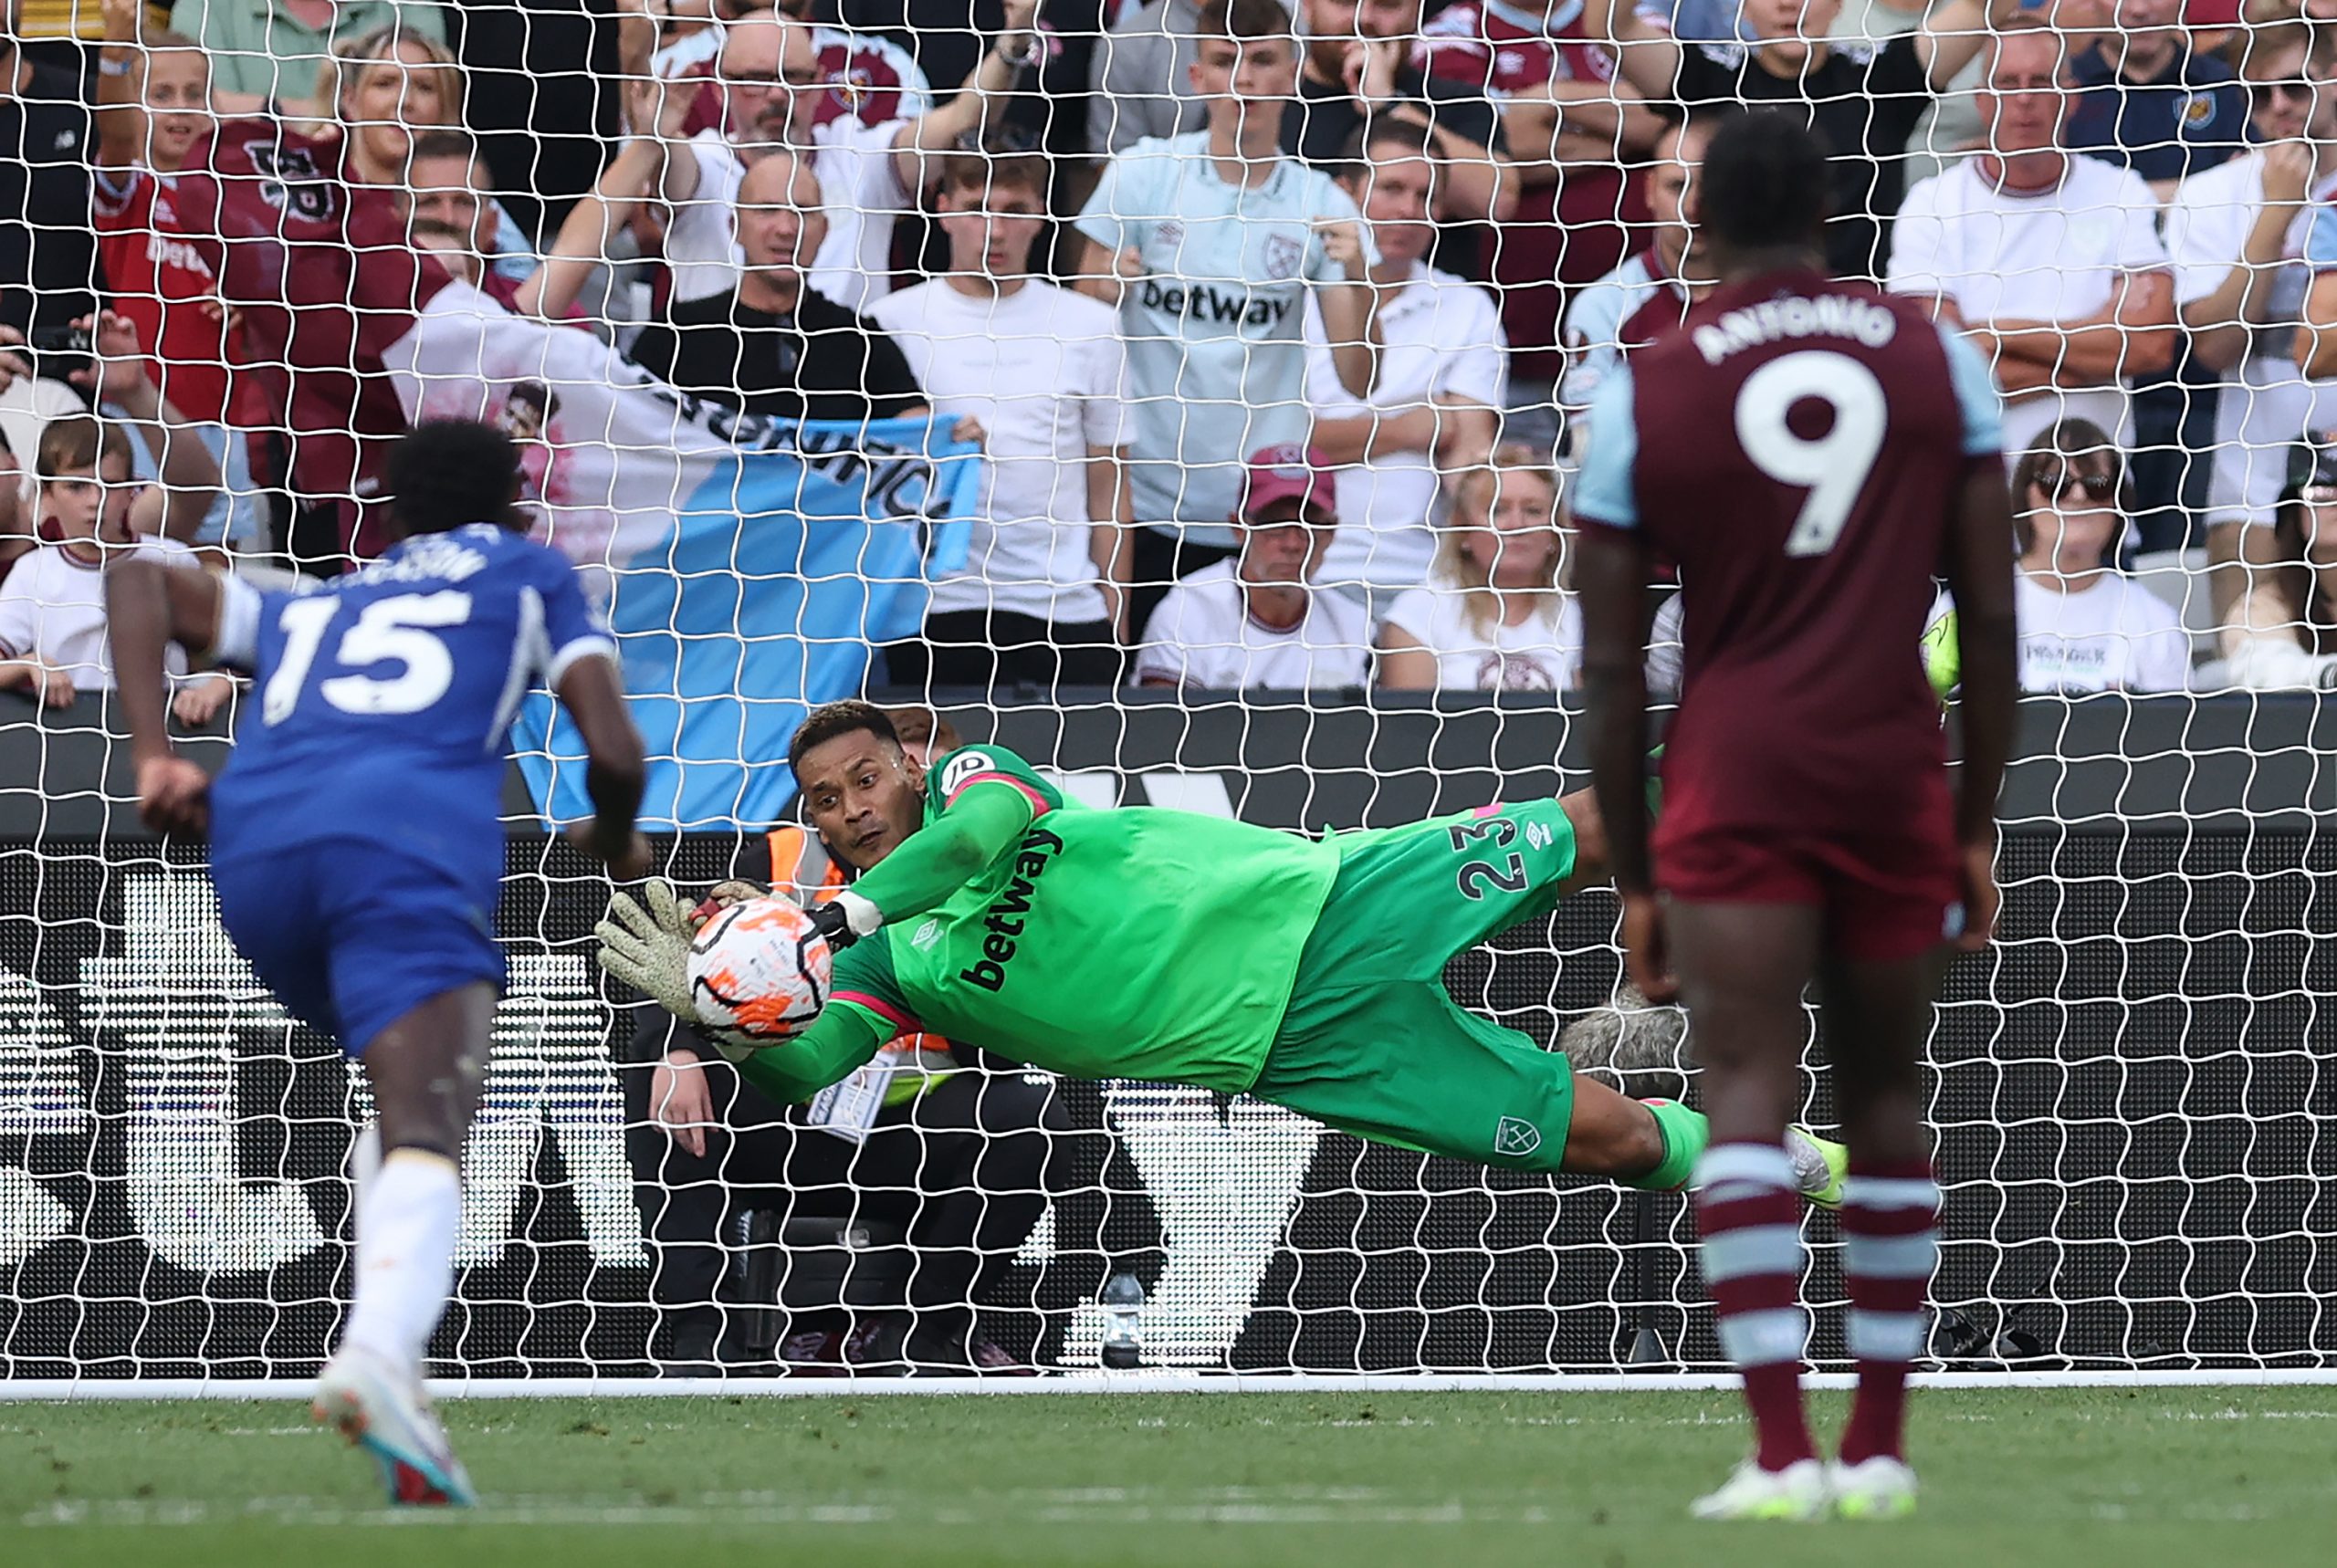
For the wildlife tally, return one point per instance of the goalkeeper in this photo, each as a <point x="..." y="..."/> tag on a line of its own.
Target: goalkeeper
<point x="1168" y="945"/>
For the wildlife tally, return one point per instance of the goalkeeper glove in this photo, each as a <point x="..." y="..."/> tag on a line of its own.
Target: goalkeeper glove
<point x="647" y="945"/>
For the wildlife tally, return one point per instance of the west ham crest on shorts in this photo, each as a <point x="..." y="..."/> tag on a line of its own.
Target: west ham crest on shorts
<point x="1516" y="1138"/>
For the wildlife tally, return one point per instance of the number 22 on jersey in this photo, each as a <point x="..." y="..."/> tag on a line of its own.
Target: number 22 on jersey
<point x="1835" y="466"/>
<point x="399" y="631"/>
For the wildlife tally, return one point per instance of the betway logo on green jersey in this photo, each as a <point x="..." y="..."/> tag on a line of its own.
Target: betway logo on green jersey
<point x="1206" y="304"/>
<point x="1005" y="920"/>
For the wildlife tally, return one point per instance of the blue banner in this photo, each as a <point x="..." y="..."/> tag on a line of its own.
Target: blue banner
<point x="797" y="550"/>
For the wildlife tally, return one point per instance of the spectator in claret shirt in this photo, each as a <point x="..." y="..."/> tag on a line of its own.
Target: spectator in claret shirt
<point x="154" y="106"/>
<point x="1570" y="127"/>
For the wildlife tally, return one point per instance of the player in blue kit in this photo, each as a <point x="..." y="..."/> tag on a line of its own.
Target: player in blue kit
<point x="357" y="847"/>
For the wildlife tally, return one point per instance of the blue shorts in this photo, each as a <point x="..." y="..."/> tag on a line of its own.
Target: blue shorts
<point x="352" y="936"/>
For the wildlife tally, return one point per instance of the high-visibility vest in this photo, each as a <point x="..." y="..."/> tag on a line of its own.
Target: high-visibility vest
<point x="801" y="868"/>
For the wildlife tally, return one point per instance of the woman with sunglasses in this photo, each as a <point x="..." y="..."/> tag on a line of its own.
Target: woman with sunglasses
<point x="2085" y="626"/>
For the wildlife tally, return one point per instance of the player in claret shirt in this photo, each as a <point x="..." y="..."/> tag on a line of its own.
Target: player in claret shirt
<point x="262" y="222"/>
<point x="1163" y="944"/>
<point x="1808" y="453"/>
<point x="357" y="845"/>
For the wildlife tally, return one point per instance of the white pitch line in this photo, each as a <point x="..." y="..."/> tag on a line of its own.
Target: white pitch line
<point x="94" y="1389"/>
<point x="193" y="1514"/>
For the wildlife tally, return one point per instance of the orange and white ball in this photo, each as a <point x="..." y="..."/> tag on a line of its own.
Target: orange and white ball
<point x="758" y="972"/>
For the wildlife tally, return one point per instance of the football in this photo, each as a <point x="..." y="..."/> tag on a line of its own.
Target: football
<point x="758" y="972"/>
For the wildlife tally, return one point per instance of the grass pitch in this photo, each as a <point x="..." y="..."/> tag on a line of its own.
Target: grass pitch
<point x="2063" y="1478"/>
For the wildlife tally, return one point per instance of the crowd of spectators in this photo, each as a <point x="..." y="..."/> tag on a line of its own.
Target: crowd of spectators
<point x="1276" y="322"/>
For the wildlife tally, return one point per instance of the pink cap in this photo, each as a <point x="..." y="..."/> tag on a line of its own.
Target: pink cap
<point x="1291" y="472"/>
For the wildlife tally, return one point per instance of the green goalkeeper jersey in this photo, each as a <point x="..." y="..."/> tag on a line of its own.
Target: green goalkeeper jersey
<point x="1135" y="943"/>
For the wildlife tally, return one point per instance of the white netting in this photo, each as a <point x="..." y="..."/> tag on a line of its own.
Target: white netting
<point x="1143" y="248"/>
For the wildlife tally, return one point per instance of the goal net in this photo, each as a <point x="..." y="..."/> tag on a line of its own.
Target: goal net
<point x="699" y="262"/>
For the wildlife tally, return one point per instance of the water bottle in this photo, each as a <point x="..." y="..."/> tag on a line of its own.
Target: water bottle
<point x="1123" y="1305"/>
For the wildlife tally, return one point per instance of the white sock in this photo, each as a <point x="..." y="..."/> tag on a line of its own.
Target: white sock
<point x="408" y="1217"/>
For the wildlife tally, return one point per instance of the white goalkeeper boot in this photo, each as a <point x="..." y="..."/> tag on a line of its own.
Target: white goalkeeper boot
<point x="383" y="1410"/>
<point x="1796" y="1493"/>
<point x="1876" y="1488"/>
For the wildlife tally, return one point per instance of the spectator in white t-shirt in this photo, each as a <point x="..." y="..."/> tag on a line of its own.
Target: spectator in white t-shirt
<point x="772" y="84"/>
<point x="1039" y="368"/>
<point x="90" y="513"/>
<point x="2085" y="626"/>
<point x="2049" y="262"/>
<point x="1496" y="616"/>
<point x="2237" y="233"/>
<point x="1432" y="412"/>
<point x="1255" y="621"/>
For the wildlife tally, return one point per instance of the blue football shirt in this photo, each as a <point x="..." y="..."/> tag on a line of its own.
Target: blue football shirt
<point x="384" y="696"/>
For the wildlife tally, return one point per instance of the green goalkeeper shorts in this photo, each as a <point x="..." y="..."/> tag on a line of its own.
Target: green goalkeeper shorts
<point x="1374" y="1045"/>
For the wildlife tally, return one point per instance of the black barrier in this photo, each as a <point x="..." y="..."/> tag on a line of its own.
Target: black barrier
<point x="2136" y="1091"/>
<point x="2110" y="764"/>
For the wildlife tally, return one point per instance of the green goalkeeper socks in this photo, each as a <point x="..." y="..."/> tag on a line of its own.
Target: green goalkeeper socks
<point x="1685" y="1134"/>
